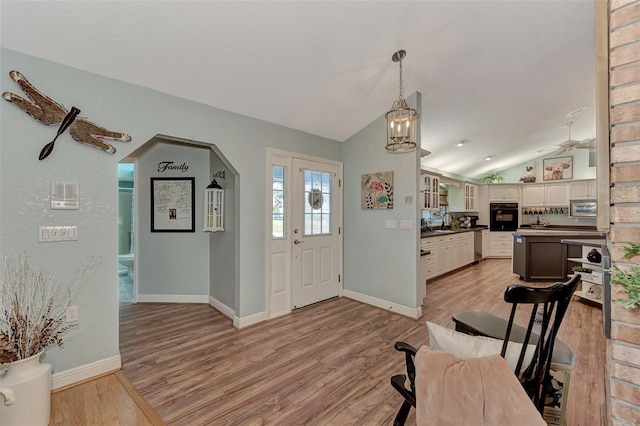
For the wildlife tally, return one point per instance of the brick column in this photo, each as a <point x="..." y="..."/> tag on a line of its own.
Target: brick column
<point x="624" y="90"/>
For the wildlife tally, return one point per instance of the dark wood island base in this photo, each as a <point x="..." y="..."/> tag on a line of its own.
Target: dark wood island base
<point x="540" y="256"/>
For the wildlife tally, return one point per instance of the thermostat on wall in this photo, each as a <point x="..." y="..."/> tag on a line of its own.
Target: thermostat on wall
<point x="64" y="196"/>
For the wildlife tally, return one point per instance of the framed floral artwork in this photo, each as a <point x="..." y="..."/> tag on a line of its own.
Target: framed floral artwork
<point x="377" y="190"/>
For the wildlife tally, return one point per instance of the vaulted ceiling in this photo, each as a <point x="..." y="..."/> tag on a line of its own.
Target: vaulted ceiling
<point x="503" y="75"/>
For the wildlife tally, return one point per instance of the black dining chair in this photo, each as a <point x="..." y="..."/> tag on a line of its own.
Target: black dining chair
<point x="547" y="305"/>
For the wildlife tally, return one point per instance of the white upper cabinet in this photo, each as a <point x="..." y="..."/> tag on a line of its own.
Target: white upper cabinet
<point x="533" y="195"/>
<point x="430" y="193"/>
<point x="503" y="192"/>
<point x="544" y="195"/>
<point x="470" y="197"/>
<point x="582" y="190"/>
<point x="556" y="195"/>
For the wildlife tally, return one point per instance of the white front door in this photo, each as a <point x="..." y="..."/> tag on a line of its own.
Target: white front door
<point x="315" y="231"/>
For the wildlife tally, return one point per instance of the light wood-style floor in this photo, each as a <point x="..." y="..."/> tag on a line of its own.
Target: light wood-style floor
<point x="327" y="364"/>
<point x="108" y="400"/>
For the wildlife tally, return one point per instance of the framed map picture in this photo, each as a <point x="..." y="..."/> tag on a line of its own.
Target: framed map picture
<point x="173" y="205"/>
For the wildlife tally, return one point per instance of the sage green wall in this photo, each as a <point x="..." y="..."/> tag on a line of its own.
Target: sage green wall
<point x="224" y="268"/>
<point x="581" y="169"/>
<point x="380" y="262"/>
<point x="171" y="263"/>
<point x="142" y="113"/>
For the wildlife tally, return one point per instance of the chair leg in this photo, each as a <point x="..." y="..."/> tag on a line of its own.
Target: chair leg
<point x="402" y="415"/>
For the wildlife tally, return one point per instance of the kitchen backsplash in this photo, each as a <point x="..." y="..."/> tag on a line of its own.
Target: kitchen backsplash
<point x="555" y="216"/>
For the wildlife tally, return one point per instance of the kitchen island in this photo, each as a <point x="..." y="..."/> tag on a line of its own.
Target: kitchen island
<point x="539" y="255"/>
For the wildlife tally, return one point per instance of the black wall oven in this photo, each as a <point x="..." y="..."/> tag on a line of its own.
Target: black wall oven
<point x="504" y="216"/>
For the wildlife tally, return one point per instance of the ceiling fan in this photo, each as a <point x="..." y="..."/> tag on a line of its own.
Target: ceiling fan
<point x="571" y="144"/>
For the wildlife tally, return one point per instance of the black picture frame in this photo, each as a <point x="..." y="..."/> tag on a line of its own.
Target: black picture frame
<point x="173" y="204"/>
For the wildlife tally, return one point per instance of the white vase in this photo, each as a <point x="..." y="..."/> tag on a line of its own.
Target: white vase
<point x="28" y="384"/>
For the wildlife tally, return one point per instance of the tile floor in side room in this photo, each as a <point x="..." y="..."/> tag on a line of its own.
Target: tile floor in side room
<point x="125" y="289"/>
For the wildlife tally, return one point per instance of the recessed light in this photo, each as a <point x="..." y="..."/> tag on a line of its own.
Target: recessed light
<point x="462" y="142"/>
<point x="488" y="157"/>
<point x="576" y="112"/>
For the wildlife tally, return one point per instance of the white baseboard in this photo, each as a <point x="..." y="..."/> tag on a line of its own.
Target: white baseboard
<point x="250" y="320"/>
<point x="383" y="304"/>
<point x="224" y="309"/>
<point x="173" y="298"/>
<point x="85" y="372"/>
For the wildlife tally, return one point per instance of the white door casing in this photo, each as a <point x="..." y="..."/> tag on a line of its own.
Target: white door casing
<point x="306" y="272"/>
<point x="279" y="246"/>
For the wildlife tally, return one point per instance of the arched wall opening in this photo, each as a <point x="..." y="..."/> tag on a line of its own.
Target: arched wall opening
<point x="186" y="265"/>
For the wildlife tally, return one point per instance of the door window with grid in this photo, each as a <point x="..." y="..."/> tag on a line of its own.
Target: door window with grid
<point x="317" y="202"/>
<point x="278" y="222"/>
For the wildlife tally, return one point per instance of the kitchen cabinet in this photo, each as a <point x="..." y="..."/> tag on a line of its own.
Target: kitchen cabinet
<point x="556" y="195"/>
<point x="448" y="252"/>
<point x="500" y="244"/>
<point x="470" y="197"/>
<point x="431" y="260"/>
<point x="539" y="258"/>
<point x="543" y="257"/>
<point x="533" y="195"/>
<point x="424" y="272"/>
<point x="503" y="192"/>
<point x="430" y="192"/>
<point x="466" y="249"/>
<point x="591" y="281"/>
<point x="545" y="195"/>
<point x="486" y="244"/>
<point x="582" y="190"/>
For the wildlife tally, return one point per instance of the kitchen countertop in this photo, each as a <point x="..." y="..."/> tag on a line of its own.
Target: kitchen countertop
<point x="525" y="231"/>
<point x="592" y="243"/>
<point x="545" y="231"/>
<point x="438" y="232"/>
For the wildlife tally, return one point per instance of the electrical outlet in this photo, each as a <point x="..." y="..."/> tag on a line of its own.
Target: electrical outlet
<point x="72" y="314"/>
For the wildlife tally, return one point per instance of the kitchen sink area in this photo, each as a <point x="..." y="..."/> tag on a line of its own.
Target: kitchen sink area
<point x="436" y="232"/>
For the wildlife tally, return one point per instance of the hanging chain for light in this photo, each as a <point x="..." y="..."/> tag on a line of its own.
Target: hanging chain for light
<point x="400" y="60"/>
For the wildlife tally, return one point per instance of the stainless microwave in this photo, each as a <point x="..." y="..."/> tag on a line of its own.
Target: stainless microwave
<point x="582" y="208"/>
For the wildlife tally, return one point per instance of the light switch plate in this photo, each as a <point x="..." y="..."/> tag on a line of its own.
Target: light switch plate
<point x="391" y="224"/>
<point x="57" y="233"/>
<point x="406" y="224"/>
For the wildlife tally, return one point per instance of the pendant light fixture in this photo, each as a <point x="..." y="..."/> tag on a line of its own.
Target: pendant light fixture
<point x="401" y="120"/>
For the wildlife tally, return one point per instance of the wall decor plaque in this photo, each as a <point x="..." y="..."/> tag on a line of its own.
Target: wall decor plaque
<point x="558" y="168"/>
<point x="173" y="204"/>
<point x="377" y="190"/>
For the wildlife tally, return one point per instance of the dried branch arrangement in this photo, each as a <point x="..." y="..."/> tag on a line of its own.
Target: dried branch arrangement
<point x="33" y="308"/>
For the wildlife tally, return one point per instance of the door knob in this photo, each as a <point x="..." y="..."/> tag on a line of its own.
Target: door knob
<point x="297" y="241"/>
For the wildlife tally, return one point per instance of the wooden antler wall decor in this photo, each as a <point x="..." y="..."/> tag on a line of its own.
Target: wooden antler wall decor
<point x="47" y="111"/>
